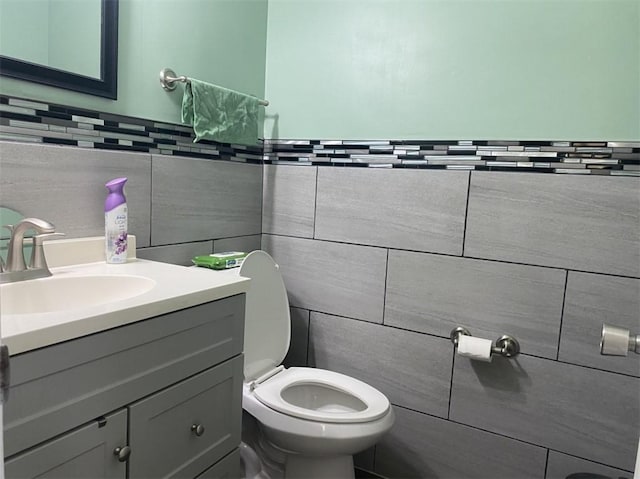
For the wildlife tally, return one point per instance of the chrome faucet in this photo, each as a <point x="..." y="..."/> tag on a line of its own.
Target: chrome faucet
<point x="15" y="253"/>
<point x="15" y="268"/>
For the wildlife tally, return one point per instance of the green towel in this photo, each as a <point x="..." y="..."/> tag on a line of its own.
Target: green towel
<point x="220" y="114"/>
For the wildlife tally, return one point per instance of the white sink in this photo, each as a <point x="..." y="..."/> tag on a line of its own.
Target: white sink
<point x="85" y="295"/>
<point x="64" y="293"/>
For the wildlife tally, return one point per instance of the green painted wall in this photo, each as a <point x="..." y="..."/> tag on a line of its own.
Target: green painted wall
<point x="366" y="69"/>
<point x="454" y="69"/>
<point x="221" y="41"/>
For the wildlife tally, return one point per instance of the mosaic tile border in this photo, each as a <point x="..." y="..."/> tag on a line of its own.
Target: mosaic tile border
<point x="619" y="158"/>
<point x="40" y="122"/>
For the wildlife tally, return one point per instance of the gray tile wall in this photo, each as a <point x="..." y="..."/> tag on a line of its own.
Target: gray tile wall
<point x="206" y="199"/>
<point x="331" y="277"/>
<point x="585" y="412"/>
<point x="237" y="243"/>
<point x="176" y="253"/>
<point x="178" y="206"/>
<point x="379" y="268"/>
<point x="561" y="465"/>
<point x="412" y="370"/>
<point x="422" y="446"/>
<point x="589" y="299"/>
<point x="579" y="223"/>
<point x="297" y="354"/>
<point x="434" y="294"/>
<point x="66" y="186"/>
<point x="389" y="261"/>
<point x="292" y="200"/>
<point x="427" y="216"/>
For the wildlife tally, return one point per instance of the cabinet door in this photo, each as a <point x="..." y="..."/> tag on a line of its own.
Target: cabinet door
<point x="84" y="453"/>
<point x="184" y="429"/>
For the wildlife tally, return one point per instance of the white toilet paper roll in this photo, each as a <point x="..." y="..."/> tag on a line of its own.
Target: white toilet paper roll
<point x="475" y="348"/>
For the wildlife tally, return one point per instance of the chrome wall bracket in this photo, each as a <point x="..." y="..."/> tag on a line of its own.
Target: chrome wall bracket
<point x="168" y="79"/>
<point x="616" y="341"/>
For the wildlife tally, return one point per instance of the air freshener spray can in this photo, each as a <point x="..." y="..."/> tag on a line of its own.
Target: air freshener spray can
<point x="115" y="222"/>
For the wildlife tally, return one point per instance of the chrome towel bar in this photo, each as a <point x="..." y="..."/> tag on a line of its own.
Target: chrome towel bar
<point x="168" y="80"/>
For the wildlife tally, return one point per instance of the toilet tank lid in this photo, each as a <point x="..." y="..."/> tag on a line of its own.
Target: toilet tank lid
<point x="267" y="325"/>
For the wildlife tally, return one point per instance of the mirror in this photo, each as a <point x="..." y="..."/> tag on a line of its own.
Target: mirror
<point x="71" y="44"/>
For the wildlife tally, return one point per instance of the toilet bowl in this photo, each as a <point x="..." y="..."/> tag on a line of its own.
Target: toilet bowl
<point x="313" y="420"/>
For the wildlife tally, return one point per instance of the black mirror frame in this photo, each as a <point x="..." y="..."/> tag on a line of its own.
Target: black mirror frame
<point x="106" y="86"/>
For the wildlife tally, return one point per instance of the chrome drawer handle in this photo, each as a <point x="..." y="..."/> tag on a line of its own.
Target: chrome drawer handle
<point x="123" y="453"/>
<point x="198" y="429"/>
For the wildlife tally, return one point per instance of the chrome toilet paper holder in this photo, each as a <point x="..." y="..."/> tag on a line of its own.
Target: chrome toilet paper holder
<point x="617" y="341"/>
<point x="506" y="346"/>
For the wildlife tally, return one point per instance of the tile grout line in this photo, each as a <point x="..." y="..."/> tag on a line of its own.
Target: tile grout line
<point x="151" y="200"/>
<point x="453" y="365"/>
<point x="315" y="205"/>
<point x="546" y="463"/>
<point x="384" y="293"/>
<point x="466" y="215"/>
<point x="308" y="336"/>
<point x="564" y="299"/>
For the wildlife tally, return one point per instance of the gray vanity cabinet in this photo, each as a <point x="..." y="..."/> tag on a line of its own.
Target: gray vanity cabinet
<point x="86" y="452"/>
<point x="152" y="380"/>
<point x="182" y="430"/>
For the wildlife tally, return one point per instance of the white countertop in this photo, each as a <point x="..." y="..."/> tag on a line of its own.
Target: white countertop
<point x="177" y="287"/>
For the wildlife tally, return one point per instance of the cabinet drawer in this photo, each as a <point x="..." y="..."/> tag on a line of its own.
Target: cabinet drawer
<point x="162" y="441"/>
<point x="63" y="386"/>
<point x="227" y="468"/>
<point x="81" y="454"/>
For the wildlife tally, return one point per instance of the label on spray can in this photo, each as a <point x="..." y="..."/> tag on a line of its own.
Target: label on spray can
<point x="116" y="234"/>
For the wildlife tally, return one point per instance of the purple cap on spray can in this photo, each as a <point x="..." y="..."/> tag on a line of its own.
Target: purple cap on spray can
<point x="116" y="194"/>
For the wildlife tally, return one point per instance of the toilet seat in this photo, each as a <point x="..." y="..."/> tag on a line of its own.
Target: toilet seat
<point x="267" y="326"/>
<point x="356" y="401"/>
<point x="329" y="396"/>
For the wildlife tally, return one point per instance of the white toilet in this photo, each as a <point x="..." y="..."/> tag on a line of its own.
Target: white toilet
<point x="311" y="420"/>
